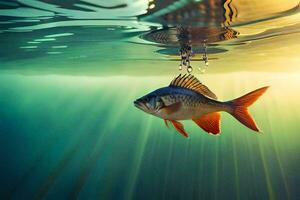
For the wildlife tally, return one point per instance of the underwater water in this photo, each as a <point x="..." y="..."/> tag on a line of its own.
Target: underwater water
<point x="70" y="71"/>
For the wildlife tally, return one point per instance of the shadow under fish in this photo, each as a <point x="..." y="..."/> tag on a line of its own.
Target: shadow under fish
<point x="186" y="98"/>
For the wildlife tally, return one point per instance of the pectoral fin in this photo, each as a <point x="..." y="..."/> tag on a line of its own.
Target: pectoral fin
<point x="209" y="123"/>
<point x="179" y="127"/>
<point x="166" y="123"/>
<point x="172" y="108"/>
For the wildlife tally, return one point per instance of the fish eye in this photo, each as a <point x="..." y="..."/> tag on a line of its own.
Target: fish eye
<point x="146" y="99"/>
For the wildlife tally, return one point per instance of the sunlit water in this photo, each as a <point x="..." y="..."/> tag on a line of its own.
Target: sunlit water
<point x="69" y="73"/>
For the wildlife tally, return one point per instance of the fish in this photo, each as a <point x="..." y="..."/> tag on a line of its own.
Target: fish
<point x="186" y="98"/>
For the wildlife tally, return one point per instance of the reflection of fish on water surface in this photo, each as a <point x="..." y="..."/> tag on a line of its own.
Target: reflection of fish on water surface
<point x="186" y="98"/>
<point x="194" y="35"/>
<point x="190" y="22"/>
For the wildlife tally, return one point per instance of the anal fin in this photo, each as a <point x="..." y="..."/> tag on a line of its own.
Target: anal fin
<point x="210" y="122"/>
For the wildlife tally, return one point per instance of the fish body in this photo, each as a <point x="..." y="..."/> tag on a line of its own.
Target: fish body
<point x="192" y="104"/>
<point x="186" y="98"/>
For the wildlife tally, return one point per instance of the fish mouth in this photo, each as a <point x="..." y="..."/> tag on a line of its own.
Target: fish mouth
<point x="139" y="104"/>
<point x="144" y="107"/>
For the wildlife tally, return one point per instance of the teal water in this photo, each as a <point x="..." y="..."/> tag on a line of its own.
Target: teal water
<point x="69" y="76"/>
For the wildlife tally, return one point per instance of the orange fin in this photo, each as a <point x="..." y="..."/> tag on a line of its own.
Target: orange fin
<point x="166" y="123"/>
<point x="209" y="123"/>
<point x="172" y="108"/>
<point x="242" y="114"/>
<point x="240" y="110"/>
<point x="179" y="127"/>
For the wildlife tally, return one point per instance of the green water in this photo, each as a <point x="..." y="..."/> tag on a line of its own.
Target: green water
<point x="67" y="137"/>
<point x="69" y="129"/>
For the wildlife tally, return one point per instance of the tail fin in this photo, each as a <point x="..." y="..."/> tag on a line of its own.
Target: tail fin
<point x="240" y="106"/>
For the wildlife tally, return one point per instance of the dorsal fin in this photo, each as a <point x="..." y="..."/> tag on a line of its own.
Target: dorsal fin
<point x="192" y="83"/>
